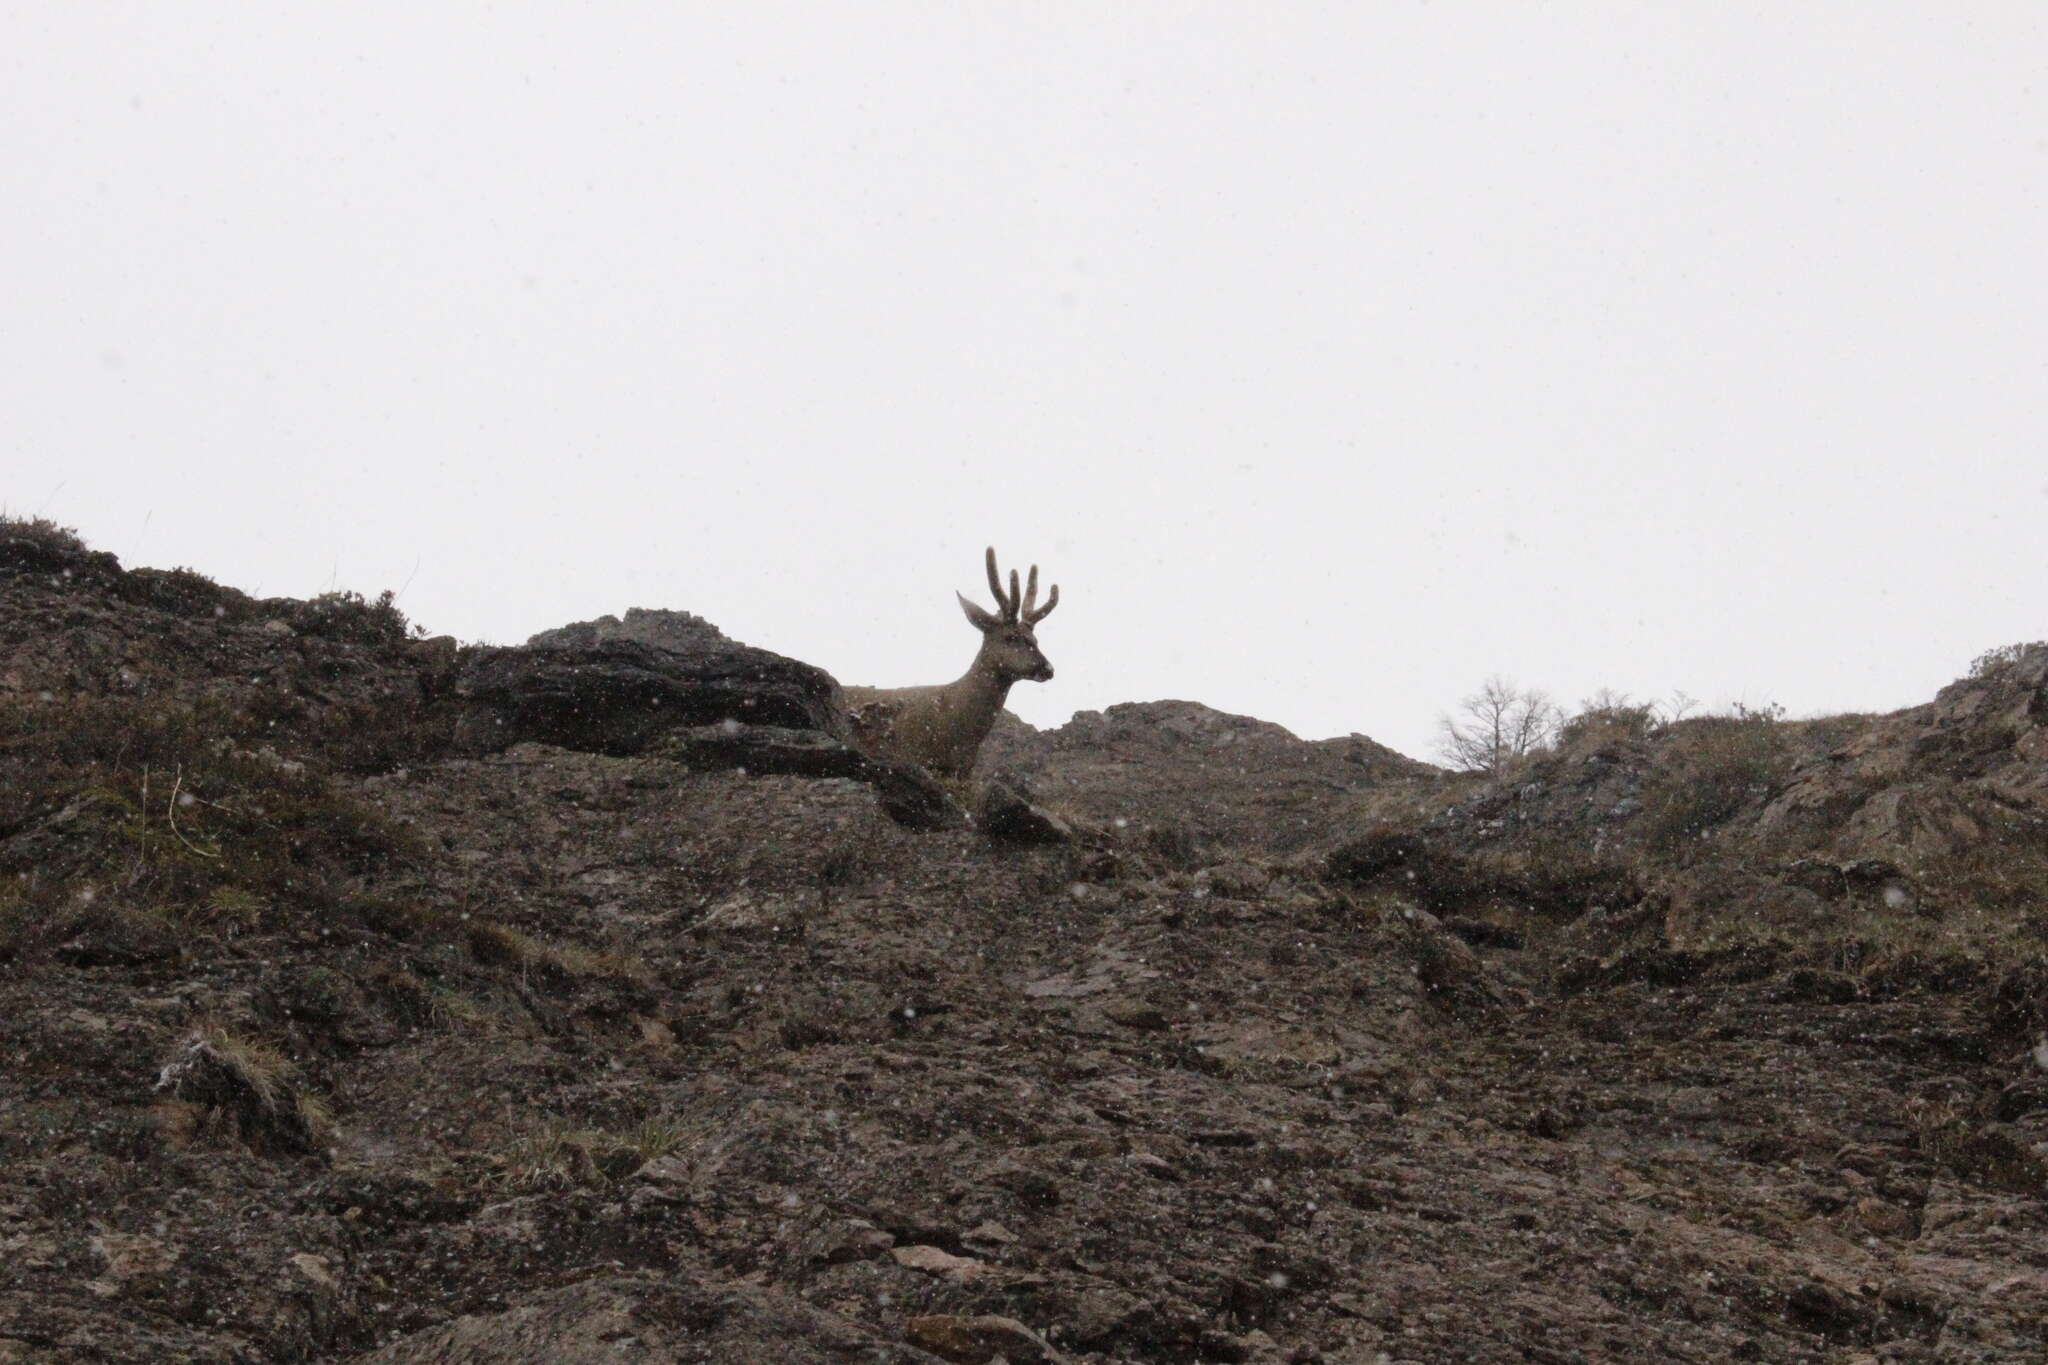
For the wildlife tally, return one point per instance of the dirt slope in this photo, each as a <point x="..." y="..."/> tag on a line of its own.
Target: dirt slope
<point x="1206" y="781"/>
<point x="397" y="1043"/>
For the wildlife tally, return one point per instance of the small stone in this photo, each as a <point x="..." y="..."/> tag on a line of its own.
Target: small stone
<point x="664" y="1170"/>
<point x="852" y="1239"/>
<point x="1882" y="1218"/>
<point x="316" y="1269"/>
<point x="129" y="1254"/>
<point x="977" y="1340"/>
<point x="1135" y="1014"/>
<point x="991" y="1232"/>
<point x="934" y="1261"/>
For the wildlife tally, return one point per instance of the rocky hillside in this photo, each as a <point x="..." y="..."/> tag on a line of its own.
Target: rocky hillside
<point x="1203" y="782"/>
<point x="368" y="998"/>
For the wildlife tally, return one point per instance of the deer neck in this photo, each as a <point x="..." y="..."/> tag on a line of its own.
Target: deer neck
<point x="981" y="691"/>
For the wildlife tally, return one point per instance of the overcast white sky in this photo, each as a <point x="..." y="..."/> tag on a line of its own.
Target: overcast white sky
<point x="1330" y="357"/>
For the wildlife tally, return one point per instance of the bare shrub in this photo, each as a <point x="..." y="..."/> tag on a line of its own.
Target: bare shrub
<point x="1496" y="726"/>
<point x="1995" y="661"/>
<point x="1608" y="717"/>
<point x="41" y="532"/>
<point x="350" y="616"/>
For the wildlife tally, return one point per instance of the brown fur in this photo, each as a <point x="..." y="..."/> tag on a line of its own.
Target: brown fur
<point x="941" y="727"/>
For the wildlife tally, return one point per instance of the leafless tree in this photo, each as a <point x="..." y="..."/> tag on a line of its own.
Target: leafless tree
<point x="1497" y="725"/>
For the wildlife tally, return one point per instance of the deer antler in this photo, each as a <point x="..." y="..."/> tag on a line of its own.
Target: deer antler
<point x="1019" y="604"/>
<point x="1004" y="602"/>
<point x="1033" y="614"/>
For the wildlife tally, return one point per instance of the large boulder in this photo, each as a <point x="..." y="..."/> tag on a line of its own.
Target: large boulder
<point x="616" y="696"/>
<point x="672" y="684"/>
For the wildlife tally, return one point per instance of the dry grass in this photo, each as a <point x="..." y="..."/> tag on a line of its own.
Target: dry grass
<point x="1708" y="769"/>
<point x="1995" y="661"/>
<point x="163" y="806"/>
<point x="500" y="945"/>
<point x="556" y="1154"/>
<point x="246" y="1089"/>
<point x="1956" y="1139"/>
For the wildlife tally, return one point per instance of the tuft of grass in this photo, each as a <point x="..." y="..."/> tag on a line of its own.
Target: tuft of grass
<point x="500" y="945"/>
<point x="656" y="1136"/>
<point x="556" y="1154"/>
<point x="232" y="909"/>
<point x="247" y="1089"/>
<point x="448" y="1008"/>
<point x="1950" y="1136"/>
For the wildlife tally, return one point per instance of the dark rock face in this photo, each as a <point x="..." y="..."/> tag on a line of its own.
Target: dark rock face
<point x="672" y="681"/>
<point x="1010" y="816"/>
<point x="1819" y="876"/>
<point x="617" y="695"/>
<point x="908" y="794"/>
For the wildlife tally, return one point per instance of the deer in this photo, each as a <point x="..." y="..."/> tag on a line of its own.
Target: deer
<point x="941" y="728"/>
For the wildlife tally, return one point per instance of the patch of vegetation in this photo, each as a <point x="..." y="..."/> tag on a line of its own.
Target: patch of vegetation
<point x="1554" y="877"/>
<point x="1951" y="1136"/>
<point x="1608" y="719"/>
<point x="500" y="945"/>
<point x="1395" y="860"/>
<point x="452" y="1009"/>
<point x="1709" y="768"/>
<point x="1560" y="878"/>
<point x="1995" y="661"/>
<point x="140" y="806"/>
<point x="349" y="616"/>
<point x="40" y="534"/>
<point x="182" y="592"/>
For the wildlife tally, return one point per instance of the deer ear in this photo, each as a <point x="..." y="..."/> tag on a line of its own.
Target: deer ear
<point x="976" y="617"/>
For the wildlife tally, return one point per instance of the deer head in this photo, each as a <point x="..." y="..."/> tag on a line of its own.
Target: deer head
<point x="1009" y="648"/>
